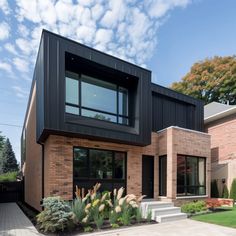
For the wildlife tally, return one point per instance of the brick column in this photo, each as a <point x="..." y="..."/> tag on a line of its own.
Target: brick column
<point x="58" y="168"/>
<point x="171" y="165"/>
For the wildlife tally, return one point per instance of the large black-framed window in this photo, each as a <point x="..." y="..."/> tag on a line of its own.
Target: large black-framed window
<point x="97" y="165"/>
<point x="191" y="175"/>
<point x="94" y="98"/>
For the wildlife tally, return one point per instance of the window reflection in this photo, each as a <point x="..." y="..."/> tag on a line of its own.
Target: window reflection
<point x="94" y="98"/>
<point x="191" y="175"/>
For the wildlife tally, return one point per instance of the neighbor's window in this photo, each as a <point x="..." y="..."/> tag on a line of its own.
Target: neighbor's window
<point x="191" y="178"/>
<point x="98" y="164"/>
<point x="94" y="98"/>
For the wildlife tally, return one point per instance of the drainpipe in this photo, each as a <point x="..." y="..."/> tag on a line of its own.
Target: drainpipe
<point x="42" y="145"/>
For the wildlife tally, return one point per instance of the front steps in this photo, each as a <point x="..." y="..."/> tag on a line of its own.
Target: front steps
<point x="162" y="211"/>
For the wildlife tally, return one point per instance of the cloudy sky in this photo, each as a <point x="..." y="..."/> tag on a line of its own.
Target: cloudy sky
<point x="166" y="36"/>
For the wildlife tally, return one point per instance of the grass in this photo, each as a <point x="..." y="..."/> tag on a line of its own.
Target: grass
<point x="224" y="218"/>
<point x="8" y="177"/>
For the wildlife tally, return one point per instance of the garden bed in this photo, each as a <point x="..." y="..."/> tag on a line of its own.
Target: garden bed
<point x="91" y="212"/>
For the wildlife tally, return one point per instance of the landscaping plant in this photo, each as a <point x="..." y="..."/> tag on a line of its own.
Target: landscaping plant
<point x="233" y="190"/>
<point x="225" y="192"/>
<point x="194" y="207"/>
<point x="56" y="216"/>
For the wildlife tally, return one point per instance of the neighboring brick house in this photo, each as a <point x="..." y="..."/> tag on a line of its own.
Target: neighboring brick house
<point x="93" y="118"/>
<point x="220" y="123"/>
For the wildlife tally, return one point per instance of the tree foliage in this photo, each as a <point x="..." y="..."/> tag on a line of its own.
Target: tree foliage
<point x="211" y="80"/>
<point x="233" y="190"/>
<point x="9" y="162"/>
<point x="225" y="192"/>
<point x="2" y="141"/>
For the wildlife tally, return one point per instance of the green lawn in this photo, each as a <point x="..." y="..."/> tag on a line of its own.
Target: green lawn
<point x="225" y="218"/>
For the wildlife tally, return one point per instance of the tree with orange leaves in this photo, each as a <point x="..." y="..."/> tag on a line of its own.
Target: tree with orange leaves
<point x="211" y="80"/>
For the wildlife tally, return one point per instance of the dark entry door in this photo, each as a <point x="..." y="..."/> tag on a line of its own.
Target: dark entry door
<point x="162" y="175"/>
<point x="148" y="176"/>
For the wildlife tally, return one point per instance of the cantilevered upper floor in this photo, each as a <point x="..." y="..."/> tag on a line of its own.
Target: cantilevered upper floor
<point x="82" y="92"/>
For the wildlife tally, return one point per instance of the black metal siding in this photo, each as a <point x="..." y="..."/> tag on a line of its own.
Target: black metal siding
<point x="55" y="119"/>
<point x="170" y="108"/>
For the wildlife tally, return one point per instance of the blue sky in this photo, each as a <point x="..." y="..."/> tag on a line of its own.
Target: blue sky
<point x="166" y="36"/>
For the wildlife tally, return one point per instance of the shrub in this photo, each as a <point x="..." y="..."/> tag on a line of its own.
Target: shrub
<point x="113" y="217"/>
<point x="8" y="177"/>
<point x="214" y="189"/>
<point x="78" y="208"/>
<point x="138" y="215"/>
<point x="56" y="216"/>
<point x="149" y="216"/>
<point x="193" y="207"/>
<point x="225" y="192"/>
<point x="233" y="190"/>
<point x="213" y="203"/>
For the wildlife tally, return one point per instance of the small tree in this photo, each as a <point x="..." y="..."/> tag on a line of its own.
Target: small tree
<point x="214" y="189"/>
<point x="2" y="141"/>
<point x="225" y="192"/>
<point x="9" y="162"/>
<point x="233" y="190"/>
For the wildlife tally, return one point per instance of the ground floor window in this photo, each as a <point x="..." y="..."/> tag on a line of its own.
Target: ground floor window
<point x="191" y="175"/>
<point x="96" y="165"/>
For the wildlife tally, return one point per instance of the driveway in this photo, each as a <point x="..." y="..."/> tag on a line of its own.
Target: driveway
<point x="175" y="228"/>
<point x="13" y="222"/>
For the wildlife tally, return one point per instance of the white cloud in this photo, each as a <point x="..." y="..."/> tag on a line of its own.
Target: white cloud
<point x="4" y="7"/>
<point x="6" y="67"/>
<point x="21" y="64"/>
<point x="10" y="48"/>
<point x="123" y="28"/>
<point x="23" y="30"/>
<point x="4" y="30"/>
<point x="24" y="46"/>
<point x="20" y="92"/>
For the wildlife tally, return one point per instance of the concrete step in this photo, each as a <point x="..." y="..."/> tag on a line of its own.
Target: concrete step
<point x="165" y="211"/>
<point x="171" y="217"/>
<point x="156" y="204"/>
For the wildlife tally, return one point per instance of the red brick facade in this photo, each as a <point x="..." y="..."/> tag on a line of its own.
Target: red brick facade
<point x="58" y="160"/>
<point x="223" y="149"/>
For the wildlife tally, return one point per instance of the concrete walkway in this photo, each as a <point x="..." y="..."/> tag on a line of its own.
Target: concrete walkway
<point x="13" y="221"/>
<point x="174" y="228"/>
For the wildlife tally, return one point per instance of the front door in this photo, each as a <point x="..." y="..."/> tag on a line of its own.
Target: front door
<point x="162" y="175"/>
<point x="147" y="176"/>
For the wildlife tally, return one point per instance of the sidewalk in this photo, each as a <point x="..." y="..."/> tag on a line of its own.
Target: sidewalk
<point x="13" y="221"/>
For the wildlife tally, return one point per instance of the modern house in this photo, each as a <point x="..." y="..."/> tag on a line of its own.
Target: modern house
<point x="92" y="117"/>
<point x="220" y="123"/>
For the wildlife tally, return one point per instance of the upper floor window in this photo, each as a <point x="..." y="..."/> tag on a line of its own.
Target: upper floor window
<point x="94" y="98"/>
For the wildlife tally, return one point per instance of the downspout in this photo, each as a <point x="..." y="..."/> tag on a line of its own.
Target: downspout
<point x="42" y="145"/>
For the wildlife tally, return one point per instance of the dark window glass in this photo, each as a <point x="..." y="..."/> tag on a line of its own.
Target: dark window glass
<point x="94" y="98"/>
<point x="191" y="178"/>
<point x="80" y="163"/>
<point x="98" y="94"/>
<point x="123" y="101"/>
<point x="72" y="89"/>
<point x="72" y="110"/>
<point x="98" y="115"/>
<point x="100" y="164"/>
<point x="119" y="165"/>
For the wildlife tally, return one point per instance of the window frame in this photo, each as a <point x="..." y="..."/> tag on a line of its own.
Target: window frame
<point x="116" y="115"/>
<point x="113" y="179"/>
<point x="185" y="186"/>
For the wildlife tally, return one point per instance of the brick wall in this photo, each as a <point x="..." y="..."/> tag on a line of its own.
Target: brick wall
<point x="174" y="141"/>
<point x="223" y="149"/>
<point x="59" y="163"/>
<point x="33" y="164"/>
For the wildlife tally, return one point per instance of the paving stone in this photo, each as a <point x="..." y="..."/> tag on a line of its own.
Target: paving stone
<point x="13" y="221"/>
